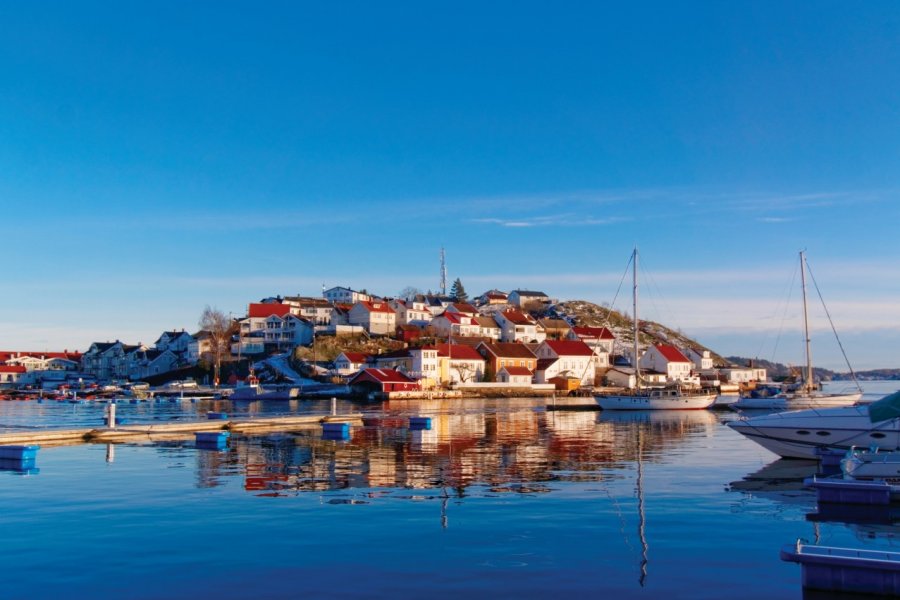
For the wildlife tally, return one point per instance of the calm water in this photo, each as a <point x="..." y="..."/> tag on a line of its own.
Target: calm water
<point x="498" y="499"/>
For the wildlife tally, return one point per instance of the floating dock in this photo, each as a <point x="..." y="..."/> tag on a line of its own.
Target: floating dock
<point x="846" y="569"/>
<point x="171" y="431"/>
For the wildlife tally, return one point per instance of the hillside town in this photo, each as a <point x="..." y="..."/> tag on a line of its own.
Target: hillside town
<point x="521" y="340"/>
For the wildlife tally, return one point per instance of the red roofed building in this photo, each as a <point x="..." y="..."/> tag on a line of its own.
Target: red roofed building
<point x="515" y="376"/>
<point x="375" y="317"/>
<point x="516" y="326"/>
<point x="669" y="361"/>
<point x="11" y="373"/>
<point x="566" y="358"/>
<point x="382" y="381"/>
<point x="506" y="354"/>
<point x="258" y="310"/>
<point x="348" y="363"/>
<point x="460" y="363"/>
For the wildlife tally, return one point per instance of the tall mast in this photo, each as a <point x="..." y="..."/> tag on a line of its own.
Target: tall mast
<point x="443" y="273"/>
<point x="634" y="299"/>
<point x="809" y="368"/>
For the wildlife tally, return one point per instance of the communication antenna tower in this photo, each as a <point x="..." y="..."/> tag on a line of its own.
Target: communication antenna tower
<point x="443" y="273"/>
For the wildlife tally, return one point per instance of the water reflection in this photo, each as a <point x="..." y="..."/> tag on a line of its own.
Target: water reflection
<point x="514" y="449"/>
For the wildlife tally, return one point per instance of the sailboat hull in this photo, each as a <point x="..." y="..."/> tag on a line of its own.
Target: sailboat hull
<point x="799" y="401"/>
<point x="656" y="400"/>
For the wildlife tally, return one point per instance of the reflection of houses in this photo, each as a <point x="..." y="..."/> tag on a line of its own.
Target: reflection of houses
<point x="382" y="381"/>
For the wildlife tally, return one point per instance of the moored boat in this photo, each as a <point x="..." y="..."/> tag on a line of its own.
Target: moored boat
<point x="802" y="433"/>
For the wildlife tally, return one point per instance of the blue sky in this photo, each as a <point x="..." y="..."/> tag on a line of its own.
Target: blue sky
<point x="158" y="157"/>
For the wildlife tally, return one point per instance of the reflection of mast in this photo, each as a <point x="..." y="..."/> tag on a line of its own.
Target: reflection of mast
<point x="641" y="521"/>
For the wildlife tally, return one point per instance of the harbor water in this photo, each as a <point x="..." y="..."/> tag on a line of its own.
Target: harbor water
<point x="487" y="499"/>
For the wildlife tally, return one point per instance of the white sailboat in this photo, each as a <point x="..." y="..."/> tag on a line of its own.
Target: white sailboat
<point x="642" y="397"/>
<point x="809" y="394"/>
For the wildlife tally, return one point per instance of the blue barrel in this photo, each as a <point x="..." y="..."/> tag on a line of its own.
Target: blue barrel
<point x="19" y="452"/>
<point x="420" y="423"/>
<point x="336" y="431"/>
<point x="216" y="415"/>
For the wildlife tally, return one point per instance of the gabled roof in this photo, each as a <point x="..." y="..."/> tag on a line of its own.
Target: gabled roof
<point x="601" y="333"/>
<point x="672" y="354"/>
<point x="383" y="376"/>
<point x="553" y="324"/>
<point x="517" y="371"/>
<point x="517" y="317"/>
<point x="356" y="357"/>
<point x="569" y="347"/>
<point x="489" y="322"/>
<point x="508" y="350"/>
<point x="528" y="293"/>
<point x="261" y="311"/>
<point x="376" y="307"/>
<point x="458" y="352"/>
<point x="464" y="307"/>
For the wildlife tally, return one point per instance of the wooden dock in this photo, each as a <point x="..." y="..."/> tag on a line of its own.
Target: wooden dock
<point x="170" y="431"/>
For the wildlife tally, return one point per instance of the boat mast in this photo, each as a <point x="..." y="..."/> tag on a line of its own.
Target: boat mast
<point x="809" y="368"/>
<point x="634" y="300"/>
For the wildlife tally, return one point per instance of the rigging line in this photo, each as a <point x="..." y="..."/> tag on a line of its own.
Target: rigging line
<point x="783" y="303"/>
<point x="830" y="322"/>
<point x="619" y="289"/>
<point x="665" y="312"/>
<point x="784" y="314"/>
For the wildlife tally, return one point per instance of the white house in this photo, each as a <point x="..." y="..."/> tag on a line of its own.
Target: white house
<point x="515" y="376"/>
<point x="343" y="295"/>
<point x="567" y="358"/>
<point x="411" y="312"/>
<point x="701" y="359"/>
<point x="488" y="327"/>
<point x="199" y="347"/>
<point x="453" y="323"/>
<point x="426" y="366"/>
<point x="460" y="363"/>
<point x="600" y="339"/>
<point x="176" y="341"/>
<point x="288" y="332"/>
<point x="314" y="310"/>
<point x="742" y="374"/>
<point x="348" y="363"/>
<point x="522" y="298"/>
<point x="144" y="362"/>
<point x="516" y="326"/>
<point x="10" y="374"/>
<point x="668" y="360"/>
<point x="378" y="318"/>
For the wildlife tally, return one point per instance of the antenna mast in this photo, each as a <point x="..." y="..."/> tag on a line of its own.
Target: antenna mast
<point x="443" y="273"/>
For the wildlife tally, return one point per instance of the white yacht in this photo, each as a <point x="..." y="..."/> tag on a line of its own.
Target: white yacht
<point x="798" y="434"/>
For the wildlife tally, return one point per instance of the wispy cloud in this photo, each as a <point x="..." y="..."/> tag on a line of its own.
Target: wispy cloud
<point x="568" y="220"/>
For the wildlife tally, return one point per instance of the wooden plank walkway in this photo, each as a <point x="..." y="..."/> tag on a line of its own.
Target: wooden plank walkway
<point x="169" y="431"/>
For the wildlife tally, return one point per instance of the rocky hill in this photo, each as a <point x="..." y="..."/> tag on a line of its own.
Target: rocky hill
<point x="581" y="312"/>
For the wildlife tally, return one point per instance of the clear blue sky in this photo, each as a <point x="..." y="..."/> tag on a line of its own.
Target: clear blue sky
<point x="158" y="157"/>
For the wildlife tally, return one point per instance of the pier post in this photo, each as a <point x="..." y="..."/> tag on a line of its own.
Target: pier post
<point x="110" y="453"/>
<point x="111" y="415"/>
<point x="333" y="405"/>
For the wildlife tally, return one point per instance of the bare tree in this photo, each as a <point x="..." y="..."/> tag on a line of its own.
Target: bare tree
<point x="464" y="371"/>
<point x="219" y="326"/>
<point x="409" y="292"/>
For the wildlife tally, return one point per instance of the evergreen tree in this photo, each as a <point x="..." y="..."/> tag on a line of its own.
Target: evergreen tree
<point x="458" y="291"/>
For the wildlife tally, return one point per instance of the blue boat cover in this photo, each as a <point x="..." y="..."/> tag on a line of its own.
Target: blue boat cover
<point x="885" y="409"/>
